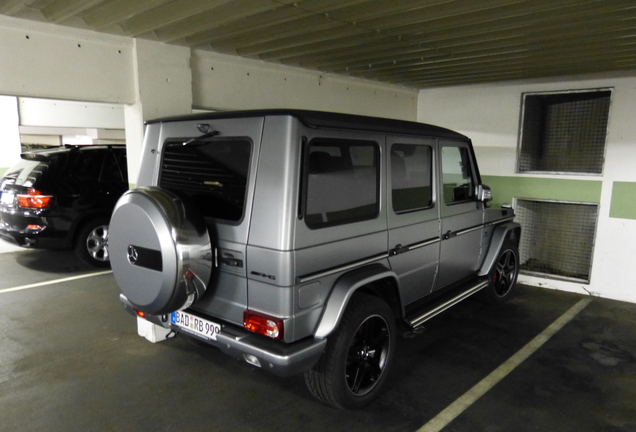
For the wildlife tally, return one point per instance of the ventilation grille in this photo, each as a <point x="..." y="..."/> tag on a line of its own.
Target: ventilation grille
<point x="564" y="132"/>
<point x="557" y="238"/>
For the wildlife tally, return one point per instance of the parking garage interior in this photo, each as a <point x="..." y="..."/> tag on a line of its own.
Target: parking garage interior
<point x="560" y="355"/>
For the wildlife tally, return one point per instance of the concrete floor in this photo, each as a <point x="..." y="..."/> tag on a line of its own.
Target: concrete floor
<point x="71" y="360"/>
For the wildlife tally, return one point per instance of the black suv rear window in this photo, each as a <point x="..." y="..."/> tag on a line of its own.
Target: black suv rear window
<point x="342" y="182"/>
<point x="211" y="174"/>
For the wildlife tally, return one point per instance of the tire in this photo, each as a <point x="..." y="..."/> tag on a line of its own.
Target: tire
<point x="91" y="243"/>
<point x="359" y="354"/>
<point x="503" y="276"/>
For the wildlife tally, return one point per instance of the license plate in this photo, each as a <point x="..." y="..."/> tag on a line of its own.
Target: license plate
<point x="195" y="325"/>
<point x="7" y="198"/>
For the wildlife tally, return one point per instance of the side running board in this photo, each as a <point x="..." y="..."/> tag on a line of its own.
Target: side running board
<point x="446" y="302"/>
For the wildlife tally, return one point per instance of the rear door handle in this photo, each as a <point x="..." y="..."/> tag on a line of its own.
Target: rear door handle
<point x="398" y="249"/>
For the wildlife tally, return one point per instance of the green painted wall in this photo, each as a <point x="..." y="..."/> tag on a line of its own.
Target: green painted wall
<point x="623" y="200"/>
<point x="504" y="188"/>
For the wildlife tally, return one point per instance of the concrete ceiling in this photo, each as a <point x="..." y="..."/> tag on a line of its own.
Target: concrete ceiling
<point x="416" y="43"/>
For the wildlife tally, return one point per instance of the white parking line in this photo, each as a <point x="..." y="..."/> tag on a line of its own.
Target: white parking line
<point x="52" y="282"/>
<point x="467" y="399"/>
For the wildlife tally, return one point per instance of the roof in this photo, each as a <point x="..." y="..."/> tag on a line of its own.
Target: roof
<point x="330" y="120"/>
<point x="415" y="43"/>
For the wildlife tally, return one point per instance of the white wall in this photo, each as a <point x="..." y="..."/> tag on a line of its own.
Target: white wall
<point x="489" y="114"/>
<point x="44" y="60"/>
<point x="224" y="82"/>
<point x="164" y="79"/>
<point x="61" y="113"/>
<point x="9" y="132"/>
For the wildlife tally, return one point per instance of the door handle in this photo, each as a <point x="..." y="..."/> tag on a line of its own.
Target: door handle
<point x="398" y="249"/>
<point x="449" y="234"/>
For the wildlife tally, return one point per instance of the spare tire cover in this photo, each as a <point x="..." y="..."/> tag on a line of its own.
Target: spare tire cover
<point x="160" y="251"/>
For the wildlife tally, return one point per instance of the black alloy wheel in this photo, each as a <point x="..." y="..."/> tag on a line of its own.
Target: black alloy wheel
<point x="354" y="367"/>
<point x="505" y="273"/>
<point x="368" y="355"/>
<point x="503" y="276"/>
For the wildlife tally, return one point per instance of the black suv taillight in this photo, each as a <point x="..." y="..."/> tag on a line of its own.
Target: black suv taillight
<point x="34" y="199"/>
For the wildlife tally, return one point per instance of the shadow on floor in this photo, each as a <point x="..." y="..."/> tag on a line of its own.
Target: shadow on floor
<point x="51" y="261"/>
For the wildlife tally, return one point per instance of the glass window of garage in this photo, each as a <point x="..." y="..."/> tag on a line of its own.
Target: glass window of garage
<point x="342" y="182"/>
<point x="411" y="177"/>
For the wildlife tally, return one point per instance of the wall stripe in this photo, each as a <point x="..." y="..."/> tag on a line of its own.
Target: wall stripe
<point x="504" y="188"/>
<point x="623" y="200"/>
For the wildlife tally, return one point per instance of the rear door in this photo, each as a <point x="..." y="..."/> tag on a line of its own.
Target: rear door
<point x="462" y="214"/>
<point x="413" y="215"/>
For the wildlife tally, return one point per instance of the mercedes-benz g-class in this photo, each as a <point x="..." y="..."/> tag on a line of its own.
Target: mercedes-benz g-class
<point x="305" y="242"/>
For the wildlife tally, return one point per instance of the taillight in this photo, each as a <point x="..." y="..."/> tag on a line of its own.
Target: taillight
<point x="34" y="199"/>
<point x="263" y="324"/>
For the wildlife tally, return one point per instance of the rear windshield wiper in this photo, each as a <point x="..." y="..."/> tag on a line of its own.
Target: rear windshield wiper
<point x="200" y="138"/>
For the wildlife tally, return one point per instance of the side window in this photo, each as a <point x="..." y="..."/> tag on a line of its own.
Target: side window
<point x="411" y="177"/>
<point x="87" y="166"/>
<point x="457" y="175"/>
<point x="111" y="171"/>
<point x="342" y="178"/>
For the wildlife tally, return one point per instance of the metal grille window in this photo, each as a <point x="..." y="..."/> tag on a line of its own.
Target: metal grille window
<point x="557" y="238"/>
<point x="564" y="132"/>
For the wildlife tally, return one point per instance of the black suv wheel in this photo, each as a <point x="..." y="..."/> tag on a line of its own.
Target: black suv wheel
<point x="91" y="244"/>
<point x="503" y="276"/>
<point x="359" y="354"/>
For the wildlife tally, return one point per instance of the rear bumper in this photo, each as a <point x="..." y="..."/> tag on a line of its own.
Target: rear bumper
<point x="33" y="240"/>
<point x="283" y="359"/>
<point x="15" y="229"/>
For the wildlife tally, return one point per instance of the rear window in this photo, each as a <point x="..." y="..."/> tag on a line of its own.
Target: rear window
<point x="25" y="173"/>
<point x="341" y="182"/>
<point x="212" y="174"/>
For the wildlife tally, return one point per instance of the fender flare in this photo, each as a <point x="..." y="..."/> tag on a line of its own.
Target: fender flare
<point x="499" y="237"/>
<point x="343" y="290"/>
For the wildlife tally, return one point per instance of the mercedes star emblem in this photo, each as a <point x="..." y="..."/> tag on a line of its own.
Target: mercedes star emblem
<point x="133" y="255"/>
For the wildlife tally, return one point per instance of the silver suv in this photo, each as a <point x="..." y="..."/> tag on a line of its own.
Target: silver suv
<point x="305" y="241"/>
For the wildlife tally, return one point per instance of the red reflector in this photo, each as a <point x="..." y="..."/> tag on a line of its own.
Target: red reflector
<point x="140" y="313"/>
<point x="35" y="227"/>
<point x="34" y="199"/>
<point x="263" y="324"/>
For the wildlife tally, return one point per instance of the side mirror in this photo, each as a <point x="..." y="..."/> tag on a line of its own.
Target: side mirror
<point x="484" y="194"/>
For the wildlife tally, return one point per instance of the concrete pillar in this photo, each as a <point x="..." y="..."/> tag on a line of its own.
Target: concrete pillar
<point x="9" y="133"/>
<point x="162" y="86"/>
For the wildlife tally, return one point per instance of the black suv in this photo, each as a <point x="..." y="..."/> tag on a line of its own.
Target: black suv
<point x="62" y="198"/>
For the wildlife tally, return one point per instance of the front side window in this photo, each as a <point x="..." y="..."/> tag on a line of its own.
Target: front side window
<point x="342" y="178"/>
<point x="212" y="174"/>
<point x="411" y="178"/>
<point x="457" y="175"/>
